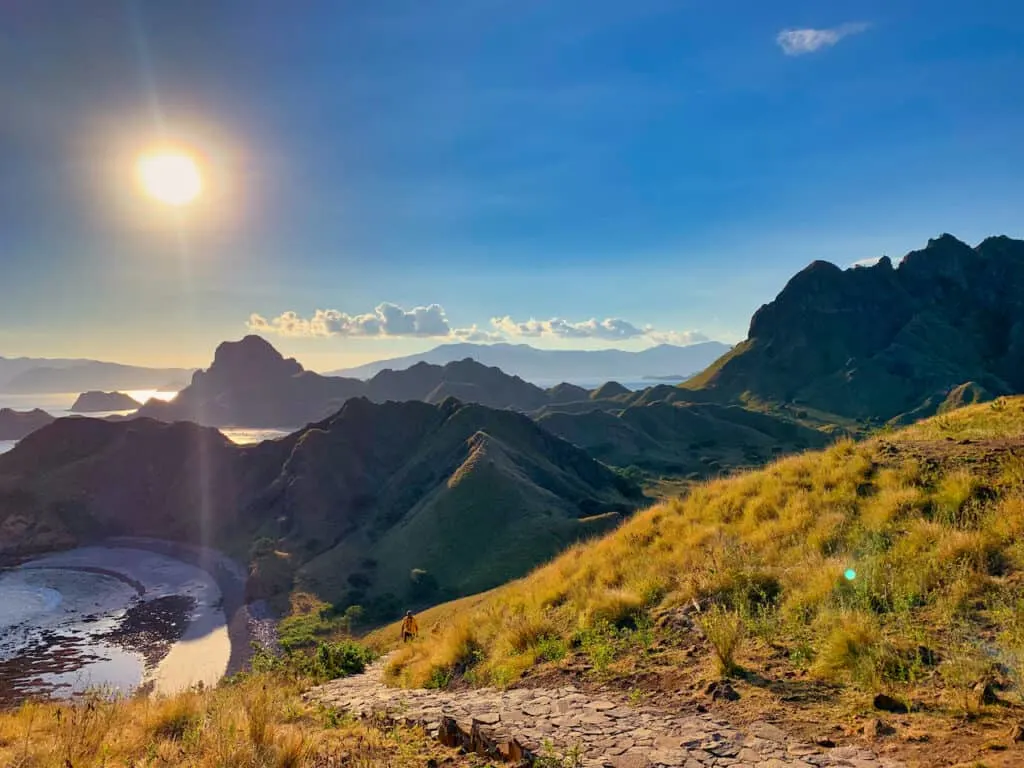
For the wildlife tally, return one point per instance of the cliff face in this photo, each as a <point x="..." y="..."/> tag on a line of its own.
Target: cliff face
<point x="882" y="341"/>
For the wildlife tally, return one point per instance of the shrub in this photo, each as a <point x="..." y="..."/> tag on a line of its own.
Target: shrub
<point x="598" y="643"/>
<point x="853" y="648"/>
<point x="552" y="648"/>
<point x="965" y="668"/>
<point x="725" y="630"/>
<point x="173" y="718"/>
<point x="328" y="661"/>
<point x="617" y="607"/>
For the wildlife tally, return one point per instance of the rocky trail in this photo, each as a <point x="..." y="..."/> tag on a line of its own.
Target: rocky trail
<point x="520" y="725"/>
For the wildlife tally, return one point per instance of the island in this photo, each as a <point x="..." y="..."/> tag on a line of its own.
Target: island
<point x="93" y="402"/>
<point x="15" y="425"/>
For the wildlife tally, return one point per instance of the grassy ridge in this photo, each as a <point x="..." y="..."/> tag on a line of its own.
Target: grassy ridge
<point x="895" y="564"/>
<point x="259" y="721"/>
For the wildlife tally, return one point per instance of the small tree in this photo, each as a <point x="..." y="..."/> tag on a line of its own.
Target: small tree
<point x="351" y="617"/>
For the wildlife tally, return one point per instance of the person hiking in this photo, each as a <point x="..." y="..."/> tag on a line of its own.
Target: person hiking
<point x="409" y="627"/>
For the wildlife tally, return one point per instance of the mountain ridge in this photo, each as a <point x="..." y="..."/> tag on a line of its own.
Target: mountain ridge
<point x="532" y="363"/>
<point x="28" y="375"/>
<point x="251" y="384"/>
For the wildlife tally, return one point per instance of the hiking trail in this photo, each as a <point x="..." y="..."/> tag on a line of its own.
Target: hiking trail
<point x="521" y="724"/>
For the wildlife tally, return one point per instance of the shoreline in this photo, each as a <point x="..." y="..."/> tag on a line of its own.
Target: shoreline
<point x="246" y="623"/>
<point x="220" y="631"/>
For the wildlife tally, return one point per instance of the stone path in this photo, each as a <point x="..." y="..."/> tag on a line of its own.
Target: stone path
<point x="522" y="724"/>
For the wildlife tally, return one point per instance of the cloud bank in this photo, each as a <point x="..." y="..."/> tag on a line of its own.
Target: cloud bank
<point x="386" y="320"/>
<point x="391" y="320"/>
<point x="609" y="328"/>
<point x="798" y="42"/>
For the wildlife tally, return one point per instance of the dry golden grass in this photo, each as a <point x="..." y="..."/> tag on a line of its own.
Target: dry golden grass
<point x="854" y="555"/>
<point x="259" y="722"/>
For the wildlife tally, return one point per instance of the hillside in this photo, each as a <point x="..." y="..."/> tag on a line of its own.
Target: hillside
<point x="569" y="365"/>
<point x="682" y="438"/>
<point x="892" y="566"/>
<point x="885" y="342"/>
<point x="346" y="508"/>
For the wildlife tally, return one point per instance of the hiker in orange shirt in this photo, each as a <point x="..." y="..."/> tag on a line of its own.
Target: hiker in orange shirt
<point x="409" y="627"/>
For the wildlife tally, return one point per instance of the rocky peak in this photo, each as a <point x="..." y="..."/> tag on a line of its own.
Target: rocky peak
<point x="252" y="356"/>
<point x="943" y="257"/>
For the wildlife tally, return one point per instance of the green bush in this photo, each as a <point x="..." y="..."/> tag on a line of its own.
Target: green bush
<point x="551" y="648"/>
<point x="327" y="661"/>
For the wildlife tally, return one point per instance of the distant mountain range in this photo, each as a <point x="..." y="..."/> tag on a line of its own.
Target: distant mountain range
<point x="26" y="375"/>
<point x="409" y="499"/>
<point x="572" y="365"/>
<point x="885" y="342"/>
<point x="250" y="384"/>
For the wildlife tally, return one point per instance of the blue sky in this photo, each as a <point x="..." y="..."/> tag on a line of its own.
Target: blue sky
<point x="575" y="174"/>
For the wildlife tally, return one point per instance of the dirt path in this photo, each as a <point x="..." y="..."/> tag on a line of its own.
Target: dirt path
<point x="603" y="731"/>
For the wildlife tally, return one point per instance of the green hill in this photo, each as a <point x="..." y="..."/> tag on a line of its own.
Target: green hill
<point x="384" y="503"/>
<point x="884" y="342"/>
<point x="892" y="566"/>
<point x="682" y="438"/>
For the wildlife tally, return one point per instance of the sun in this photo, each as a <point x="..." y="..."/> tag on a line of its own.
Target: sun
<point x="172" y="178"/>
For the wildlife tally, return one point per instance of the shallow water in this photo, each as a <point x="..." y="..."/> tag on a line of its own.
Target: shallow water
<point x="109" y="617"/>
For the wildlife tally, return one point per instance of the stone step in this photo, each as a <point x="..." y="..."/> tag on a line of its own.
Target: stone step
<point x="521" y="725"/>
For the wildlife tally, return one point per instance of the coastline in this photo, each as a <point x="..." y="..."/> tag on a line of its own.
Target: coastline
<point x="247" y="623"/>
<point x="192" y="624"/>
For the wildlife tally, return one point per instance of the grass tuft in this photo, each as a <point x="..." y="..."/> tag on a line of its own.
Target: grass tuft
<point x="725" y="629"/>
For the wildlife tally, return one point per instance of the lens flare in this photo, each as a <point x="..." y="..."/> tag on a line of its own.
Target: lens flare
<point x="850" y="574"/>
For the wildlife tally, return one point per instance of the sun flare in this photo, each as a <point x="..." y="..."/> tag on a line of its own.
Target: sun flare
<point x="172" y="178"/>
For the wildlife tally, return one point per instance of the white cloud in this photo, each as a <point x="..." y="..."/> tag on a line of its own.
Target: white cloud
<point x="679" y="338"/>
<point x="390" y="320"/>
<point x="797" y="42"/>
<point x="386" y="320"/>
<point x="609" y="328"/>
<point x="868" y="262"/>
<point x="476" y="335"/>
